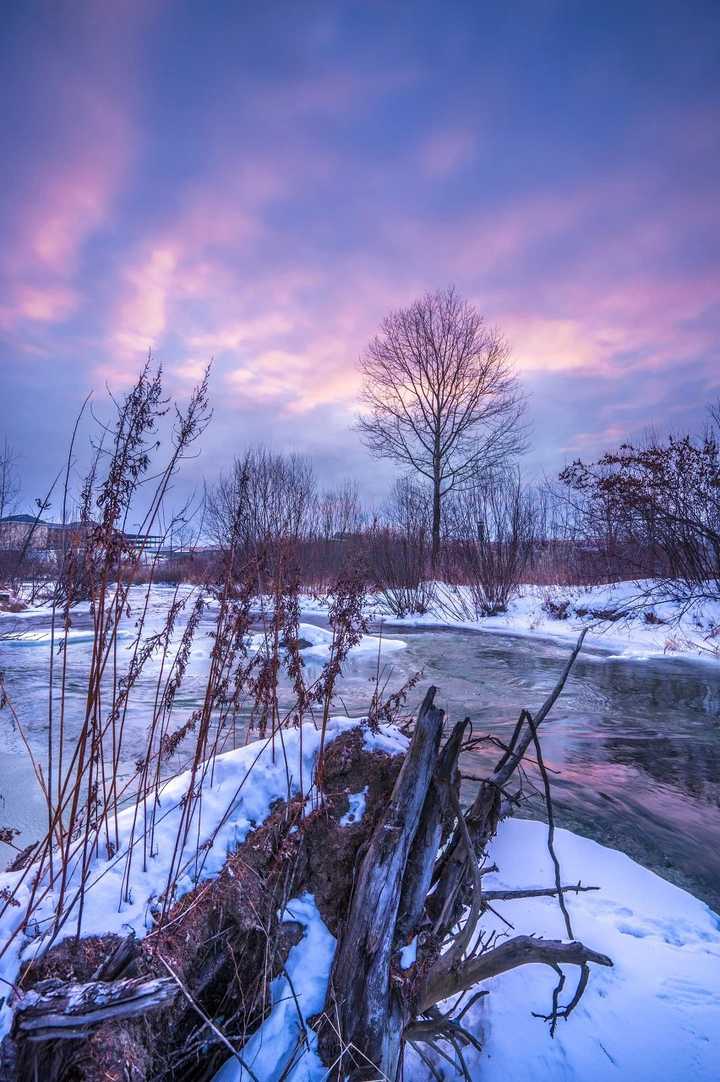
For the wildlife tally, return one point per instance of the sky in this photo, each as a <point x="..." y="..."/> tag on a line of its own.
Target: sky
<point x="261" y="183"/>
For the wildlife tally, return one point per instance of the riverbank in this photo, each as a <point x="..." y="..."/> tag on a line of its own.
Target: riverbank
<point x="619" y="618"/>
<point x="655" y="1014"/>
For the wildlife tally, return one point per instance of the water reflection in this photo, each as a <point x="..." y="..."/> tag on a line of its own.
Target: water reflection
<point x="636" y="744"/>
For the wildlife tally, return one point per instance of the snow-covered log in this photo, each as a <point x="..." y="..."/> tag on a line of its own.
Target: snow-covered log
<point x="368" y="1017"/>
<point x="58" y="1010"/>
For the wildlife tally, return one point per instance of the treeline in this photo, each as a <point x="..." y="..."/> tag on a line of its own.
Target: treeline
<point x="441" y="400"/>
<point x="639" y="512"/>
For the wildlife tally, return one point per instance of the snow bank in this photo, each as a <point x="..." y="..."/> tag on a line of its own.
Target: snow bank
<point x="641" y="630"/>
<point x="320" y="639"/>
<point x="44" y="636"/>
<point x="299" y="993"/>
<point x="237" y="796"/>
<point x="655" y="1015"/>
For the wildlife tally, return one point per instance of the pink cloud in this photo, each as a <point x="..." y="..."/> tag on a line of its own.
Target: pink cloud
<point x="49" y="304"/>
<point x="61" y="208"/>
<point x="219" y="279"/>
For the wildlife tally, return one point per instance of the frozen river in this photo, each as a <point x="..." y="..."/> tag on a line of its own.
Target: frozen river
<point x="635" y="745"/>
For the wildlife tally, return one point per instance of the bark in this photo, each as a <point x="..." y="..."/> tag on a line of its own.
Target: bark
<point x="58" y="1010"/>
<point x="436" y="523"/>
<point x="53" y="1020"/>
<point x="519" y="951"/>
<point x="481" y="821"/>
<point x="421" y="862"/>
<point x="367" y="1016"/>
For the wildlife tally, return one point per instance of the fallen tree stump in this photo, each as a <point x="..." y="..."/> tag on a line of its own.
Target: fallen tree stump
<point x="54" y="1010"/>
<point x="223" y="940"/>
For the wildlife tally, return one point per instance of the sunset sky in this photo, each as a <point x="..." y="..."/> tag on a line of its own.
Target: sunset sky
<point x="260" y="183"/>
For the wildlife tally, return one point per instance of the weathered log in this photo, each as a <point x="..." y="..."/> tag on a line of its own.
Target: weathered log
<point x="435" y="814"/>
<point x="223" y="940"/>
<point x="442" y="983"/>
<point x="58" y="1010"/>
<point x="368" y="1019"/>
<point x="119" y="961"/>
<point x="481" y="821"/>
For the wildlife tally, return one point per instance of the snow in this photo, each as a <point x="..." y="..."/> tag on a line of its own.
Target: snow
<point x="408" y="954"/>
<point x="44" y="610"/>
<point x="654" y="1015"/>
<point x="43" y="637"/>
<point x="317" y="652"/>
<point x="645" y="629"/>
<point x="683" y="631"/>
<point x="299" y="991"/>
<point x="356" y="810"/>
<point x="386" y="738"/>
<point x="320" y="639"/>
<point x="237" y="796"/>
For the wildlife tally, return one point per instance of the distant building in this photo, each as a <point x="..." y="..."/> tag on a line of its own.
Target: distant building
<point x="19" y="532"/>
<point x="23" y="531"/>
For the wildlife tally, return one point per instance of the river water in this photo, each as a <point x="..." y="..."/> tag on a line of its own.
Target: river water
<point x="633" y="746"/>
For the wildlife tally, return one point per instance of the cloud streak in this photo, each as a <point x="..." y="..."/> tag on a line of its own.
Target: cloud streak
<point x="262" y="193"/>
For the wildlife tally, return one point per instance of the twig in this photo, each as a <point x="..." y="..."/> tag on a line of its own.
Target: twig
<point x="208" y="1022"/>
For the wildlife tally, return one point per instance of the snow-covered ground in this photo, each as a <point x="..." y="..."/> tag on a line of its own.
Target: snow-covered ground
<point x="642" y="629"/>
<point x="656" y="1014"/>
<point x="44" y="636"/>
<point x="284" y="1048"/>
<point x="320" y="640"/>
<point x="316" y="649"/>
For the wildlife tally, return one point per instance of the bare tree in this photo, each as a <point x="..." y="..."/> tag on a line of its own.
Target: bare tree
<point x="340" y="511"/>
<point x="494" y="530"/>
<point x="441" y="396"/>
<point x="397" y="549"/>
<point x="9" y="480"/>
<point x="656" y="505"/>
<point x="266" y="496"/>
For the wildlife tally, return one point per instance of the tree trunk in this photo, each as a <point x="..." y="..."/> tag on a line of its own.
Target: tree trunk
<point x="368" y="1017"/>
<point x="436" y="523"/>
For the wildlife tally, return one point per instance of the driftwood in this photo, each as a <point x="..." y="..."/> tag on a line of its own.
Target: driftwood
<point x="519" y="951"/>
<point x="119" y="961"/>
<point x="58" y="1010"/>
<point x="363" y="1004"/>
